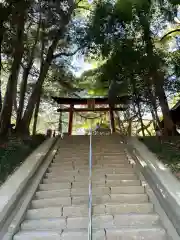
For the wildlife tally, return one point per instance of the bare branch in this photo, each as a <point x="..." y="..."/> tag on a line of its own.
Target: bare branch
<point x="169" y="33"/>
<point x="67" y="54"/>
<point x="78" y="2"/>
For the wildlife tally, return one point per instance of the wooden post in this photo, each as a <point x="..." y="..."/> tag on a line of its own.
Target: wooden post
<point x="70" y="120"/>
<point x="112" y="120"/>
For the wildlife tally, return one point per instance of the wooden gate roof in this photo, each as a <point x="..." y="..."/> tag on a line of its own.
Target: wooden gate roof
<point x="84" y="101"/>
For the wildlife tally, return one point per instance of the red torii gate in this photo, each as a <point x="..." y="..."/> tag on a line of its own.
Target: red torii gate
<point x="91" y="107"/>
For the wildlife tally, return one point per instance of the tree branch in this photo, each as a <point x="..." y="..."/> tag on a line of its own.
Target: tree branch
<point x="173" y="31"/>
<point x="66" y="54"/>
<point x="78" y="2"/>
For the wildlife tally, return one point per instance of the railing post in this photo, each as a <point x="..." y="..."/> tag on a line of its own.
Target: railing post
<point x="90" y="187"/>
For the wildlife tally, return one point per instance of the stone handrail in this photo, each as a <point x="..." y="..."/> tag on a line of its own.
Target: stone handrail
<point x="165" y="186"/>
<point x="13" y="187"/>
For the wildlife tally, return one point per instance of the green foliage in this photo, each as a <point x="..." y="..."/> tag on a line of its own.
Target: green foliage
<point x="167" y="152"/>
<point x="14" y="152"/>
<point x="175" y="58"/>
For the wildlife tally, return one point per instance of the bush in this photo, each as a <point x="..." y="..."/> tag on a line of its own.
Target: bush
<point x="14" y="152"/>
<point x="168" y="151"/>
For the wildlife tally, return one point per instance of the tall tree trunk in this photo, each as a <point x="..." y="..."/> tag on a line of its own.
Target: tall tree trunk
<point x="169" y="127"/>
<point x="25" y="121"/>
<point x="5" y="117"/>
<point x="2" y="31"/>
<point x="140" y="117"/>
<point x="154" y="118"/>
<point x="157" y="77"/>
<point x="153" y="109"/>
<point x="25" y="78"/>
<point x="1" y="40"/>
<point x="129" y="129"/>
<point x="4" y="13"/>
<point x="36" y="112"/>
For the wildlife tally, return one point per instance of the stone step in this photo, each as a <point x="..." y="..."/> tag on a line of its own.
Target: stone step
<point x="136" y="220"/>
<point x="67" y="173"/>
<point x="58" y="201"/>
<point x="46" y="212"/>
<point x="53" y="193"/>
<point x="61" y="162"/>
<point x="113" y="198"/>
<point x="73" y="155"/>
<point x="113" y="159"/>
<point x="98" y="222"/>
<point x="122" y="208"/>
<point x="57" y="180"/>
<point x="116" y="176"/>
<point x="53" y="221"/>
<point x="151" y="233"/>
<point x="127" y="189"/>
<point x="95" y="200"/>
<point x="51" y="224"/>
<point x="111" y="165"/>
<point x="82" y="234"/>
<point x="54" y="186"/>
<point x="75" y="211"/>
<point x="110" y="209"/>
<point x="114" y="183"/>
<point x="65" y="168"/>
<point x="69" y="161"/>
<point x="128" y="198"/>
<point x="64" y="177"/>
<point x="62" y="171"/>
<point x="37" y="235"/>
<point x="111" y="170"/>
<point x="95" y="191"/>
<point x="85" y="184"/>
<point x="107" y="183"/>
<point x="83" y="171"/>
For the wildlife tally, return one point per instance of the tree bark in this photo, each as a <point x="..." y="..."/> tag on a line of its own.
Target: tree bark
<point x="140" y="117"/>
<point x="1" y="40"/>
<point x="25" y="121"/>
<point x="36" y="112"/>
<point x="153" y="109"/>
<point x="4" y="13"/>
<point x="25" y="78"/>
<point x="157" y="77"/>
<point x="23" y="125"/>
<point x="169" y="127"/>
<point x="5" y="117"/>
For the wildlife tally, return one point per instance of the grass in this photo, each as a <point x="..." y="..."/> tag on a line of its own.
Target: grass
<point x="168" y="151"/>
<point x="14" y="151"/>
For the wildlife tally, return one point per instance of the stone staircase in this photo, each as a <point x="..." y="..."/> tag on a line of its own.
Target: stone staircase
<point x="121" y="208"/>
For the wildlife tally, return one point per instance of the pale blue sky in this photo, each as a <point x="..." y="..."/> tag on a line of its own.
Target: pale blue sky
<point x="80" y="65"/>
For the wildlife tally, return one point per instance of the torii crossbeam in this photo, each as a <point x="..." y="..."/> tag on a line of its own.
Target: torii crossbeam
<point x="75" y="105"/>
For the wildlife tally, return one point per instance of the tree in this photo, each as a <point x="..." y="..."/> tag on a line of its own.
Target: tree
<point x="18" y="47"/>
<point x="121" y="33"/>
<point x="57" y="36"/>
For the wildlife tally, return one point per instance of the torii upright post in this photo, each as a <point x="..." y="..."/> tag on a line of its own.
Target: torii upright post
<point x="112" y="120"/>
<point x="70" y="120"/>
